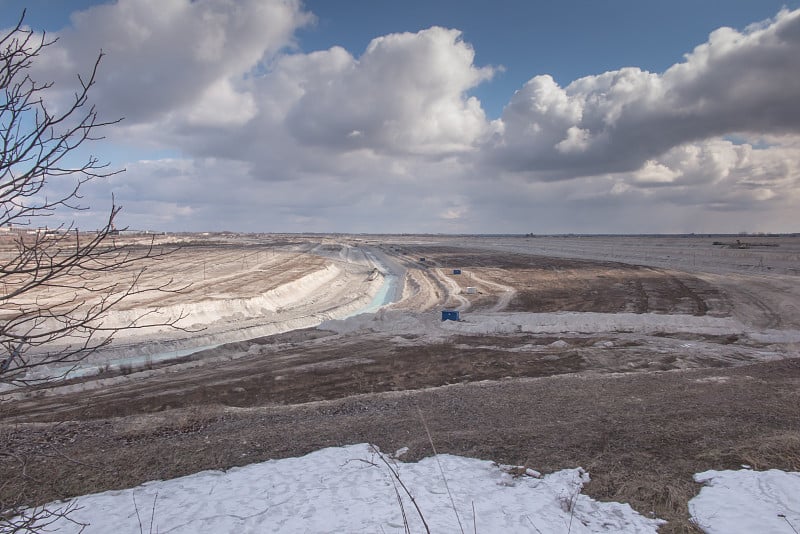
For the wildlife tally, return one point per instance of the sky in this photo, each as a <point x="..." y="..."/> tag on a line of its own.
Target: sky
<point x="439" y="116"/>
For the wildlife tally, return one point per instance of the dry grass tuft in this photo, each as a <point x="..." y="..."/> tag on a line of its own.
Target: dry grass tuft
<point x="653" y="493"/>
<point x="782" y="451"/>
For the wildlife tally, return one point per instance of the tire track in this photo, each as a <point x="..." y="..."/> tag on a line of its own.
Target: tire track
<point x="507" y="292"/>
<point x="453" y="291"/>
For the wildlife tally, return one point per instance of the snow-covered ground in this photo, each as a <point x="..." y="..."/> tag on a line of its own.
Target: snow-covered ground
<point x="430" y="326"/>
<point x="357" y="489"/>
<point x="352" y="489"/>
<point x="746" y="501"/>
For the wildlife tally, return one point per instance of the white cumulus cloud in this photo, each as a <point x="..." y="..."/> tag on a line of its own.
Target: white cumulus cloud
<point x="743" y="82"/>
<point x="405" y="94"/>
<point x="390" y="138"/>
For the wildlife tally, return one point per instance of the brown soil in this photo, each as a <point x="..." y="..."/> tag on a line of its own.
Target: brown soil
<point x="641" y="436"/>
<point x="641" y="413"/>
<point x="317" y="365"/>
<point x="545" y="284"/>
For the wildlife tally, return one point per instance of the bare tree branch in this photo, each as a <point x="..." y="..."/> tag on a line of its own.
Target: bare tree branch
<point x="57" y="285"/>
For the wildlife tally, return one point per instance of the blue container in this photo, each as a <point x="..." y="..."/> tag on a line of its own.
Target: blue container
<point x="456" y="271"/>
<point x="450" y="315"/>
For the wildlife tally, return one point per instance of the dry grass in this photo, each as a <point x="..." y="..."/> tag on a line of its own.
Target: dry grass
<point x="782" y="450"/>
<point x="652" y="493"/>
<point x="641" y="436"/>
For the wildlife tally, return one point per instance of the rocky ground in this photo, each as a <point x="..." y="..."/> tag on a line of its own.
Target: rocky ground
<point x="642" y="374"/>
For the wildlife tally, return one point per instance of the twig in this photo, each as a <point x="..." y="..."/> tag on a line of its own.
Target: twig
<point x="153" y="513"/>
<point x="783" y="516"/>
<point x="406" y="527"/>
<point x="474" y="520"/>
<point x="402" y="485"/>
<point x="74" y="461"/>
<point x="136" y="508"/>
<point x="531" y="522"/>
<point x="441" y="470"/>
<point x="572" y="503"/>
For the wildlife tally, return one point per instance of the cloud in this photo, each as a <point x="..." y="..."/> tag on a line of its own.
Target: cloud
<point x="405" y="94"/>
<point x="267" y="137"/>
<point x="218" y="65"/>
<point x="210" y="193"/>
<point x="618" y="121"/>
<point x="174" y="56"/>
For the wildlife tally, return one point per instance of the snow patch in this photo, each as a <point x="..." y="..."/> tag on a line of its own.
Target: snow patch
<point x="712" y="379"/>
<point x="351" y="489"/>
<point x="745" y="501"/>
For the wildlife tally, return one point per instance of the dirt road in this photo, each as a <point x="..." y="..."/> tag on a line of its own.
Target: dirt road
<point x="641" y="374"/>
